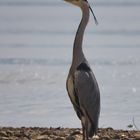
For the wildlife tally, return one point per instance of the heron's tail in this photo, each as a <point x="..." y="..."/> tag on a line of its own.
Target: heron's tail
<point x="93" y="130"/>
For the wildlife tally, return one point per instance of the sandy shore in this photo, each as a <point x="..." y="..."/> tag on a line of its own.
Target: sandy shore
<point x="36" y="133"/>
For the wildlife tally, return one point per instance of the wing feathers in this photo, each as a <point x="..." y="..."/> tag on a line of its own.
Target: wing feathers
<point x="88" y="92"/>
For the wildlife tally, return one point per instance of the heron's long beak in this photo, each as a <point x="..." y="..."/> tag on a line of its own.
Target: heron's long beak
<point x="96" y="22"/>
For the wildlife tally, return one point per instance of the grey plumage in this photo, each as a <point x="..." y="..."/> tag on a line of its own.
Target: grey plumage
<point x="81" y="84"/>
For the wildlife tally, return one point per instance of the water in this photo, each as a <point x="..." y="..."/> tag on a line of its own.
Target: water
<point x="36" y="40"/>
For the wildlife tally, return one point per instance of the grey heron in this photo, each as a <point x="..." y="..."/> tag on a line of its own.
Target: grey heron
<point x="81" y="83"/>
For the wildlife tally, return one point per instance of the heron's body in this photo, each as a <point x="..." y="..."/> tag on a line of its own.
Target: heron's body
<point x="81" y="84"/>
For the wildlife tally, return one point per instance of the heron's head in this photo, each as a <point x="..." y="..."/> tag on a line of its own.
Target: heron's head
<point x="79" y="3"/>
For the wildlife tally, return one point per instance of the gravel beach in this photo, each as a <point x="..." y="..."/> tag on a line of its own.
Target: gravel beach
<point x="37" y="133"/>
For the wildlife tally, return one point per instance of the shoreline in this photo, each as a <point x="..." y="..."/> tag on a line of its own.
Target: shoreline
<point x="40" y="133"/>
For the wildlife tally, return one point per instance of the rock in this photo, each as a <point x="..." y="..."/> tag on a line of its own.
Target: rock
<point x="42" y="138"/>
<point x="9" y="133"/>
<point x="106" y="137"/>
<point x="17" y="133"/>
<point x="24" y="138"/>
<point x="4" y="138"/>
<point x="46" y="132"/>
<point x="137" y="136"/>
<point x="53" y="137"/>
<point x="70" y="138"/>
<point x="78" y="137"/>
<point x="60" y="138"/>
<point x="115" y="136"/>
<point x="3" y="134"/>
<point x="109" y="129"/>
<point x="123" y="136"/>
<point x="77" y="132"/>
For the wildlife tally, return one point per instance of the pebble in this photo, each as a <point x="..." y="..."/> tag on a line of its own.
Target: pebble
<point x="37" y="133"/>
<point x="42" y="138"/>
<point x="105" y="137"/>
<point x="4" y="138"/>
<point x="70" y="138"/>
<point x="3" y="134"/>
<point x="137" y="136"/>
<point x="60" y="138"/>
<point x="47" y="132"/>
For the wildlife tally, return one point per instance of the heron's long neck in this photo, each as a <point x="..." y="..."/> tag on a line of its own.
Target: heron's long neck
<point x="78" y="55"/>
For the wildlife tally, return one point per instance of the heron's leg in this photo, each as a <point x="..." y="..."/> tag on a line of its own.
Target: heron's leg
<point x="84" y="132"/>
<point x="87" y="137"/>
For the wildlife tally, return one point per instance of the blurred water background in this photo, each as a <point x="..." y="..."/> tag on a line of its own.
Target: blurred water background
<point x="36" y="38"/>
